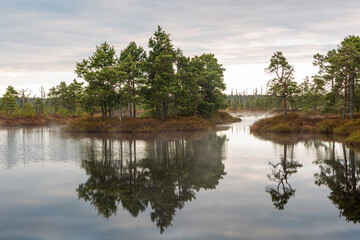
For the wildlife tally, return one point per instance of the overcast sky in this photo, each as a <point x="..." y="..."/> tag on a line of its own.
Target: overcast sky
<point x="41" y="40"/>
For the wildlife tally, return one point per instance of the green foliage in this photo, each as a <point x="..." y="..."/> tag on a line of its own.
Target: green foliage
<point x="63" y="112"/>
<point x="29" y="110"/>
<point x="161" y="74"/>
<point x="164" y="83"/>
<point x="8" y="100"/>
<point x="339" y="69"/>
<point x="132" y="65"/>
<point x="281" y="85"/>
<point x="101" y="74"/>
<point x="66" y="96"/>
<point x="211" y="83"/>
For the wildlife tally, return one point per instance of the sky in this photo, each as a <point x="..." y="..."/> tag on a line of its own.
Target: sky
<point x="41" y="40"/>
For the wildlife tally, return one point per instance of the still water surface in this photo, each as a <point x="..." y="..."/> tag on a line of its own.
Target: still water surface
<point x="227" y="184"/>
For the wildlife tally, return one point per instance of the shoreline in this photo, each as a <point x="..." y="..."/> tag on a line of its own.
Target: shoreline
<point x="296" y="123"/>
<point x="127" y="126"/>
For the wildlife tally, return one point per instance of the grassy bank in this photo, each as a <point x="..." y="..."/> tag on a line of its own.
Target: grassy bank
<point x="148" y="125"/>
<point x="138" y="125"/>
<point x="301" y="123"/>
<point x="37" y="120"/>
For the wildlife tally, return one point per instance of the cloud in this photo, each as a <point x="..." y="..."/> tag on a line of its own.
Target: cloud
<point x="53" y="35"/>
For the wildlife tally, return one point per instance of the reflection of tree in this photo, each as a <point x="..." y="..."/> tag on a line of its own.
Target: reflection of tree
<point x="164" y="177"/>
<point x="340" y="175"/>
<point x="280" y="172"/>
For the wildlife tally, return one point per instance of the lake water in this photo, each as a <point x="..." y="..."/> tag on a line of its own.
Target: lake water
<point x="227" y="184"/>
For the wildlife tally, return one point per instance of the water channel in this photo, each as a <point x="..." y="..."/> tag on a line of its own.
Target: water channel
<point x="226" y="184"/>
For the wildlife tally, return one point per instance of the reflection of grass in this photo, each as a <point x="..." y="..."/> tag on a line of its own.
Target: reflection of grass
<point x="298" y="123"/>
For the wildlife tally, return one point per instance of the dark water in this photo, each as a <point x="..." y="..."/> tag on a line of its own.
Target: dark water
<point x="227" y="184"/>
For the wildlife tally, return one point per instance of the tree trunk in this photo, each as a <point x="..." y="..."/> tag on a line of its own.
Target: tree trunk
<point x="332" y="90"/>
<point x="129" y="108"/>
<point x="345" y="100"/>
<point x="23" y="103"/>
<point x="120" y="113"/>
<point x="195" y="106"/>
<point x="163" y="112"/>
<point x="284" y="106"/>
<point x="351" y="100"/>
<point x="134" y="111"/>
<point x="175" y="105"/>
<point x="134" y="102"/>
<point x="157" y="109"/>
<point x="102" y="110"/>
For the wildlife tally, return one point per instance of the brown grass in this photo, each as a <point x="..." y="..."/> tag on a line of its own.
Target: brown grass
<point x="293" y="123"/>
<point x="354" y="138"/>
<point x="298" y="123"/>
<point x="37" y="120"/>
<point x="223" y="117"/>
<point x="139" y="125"/>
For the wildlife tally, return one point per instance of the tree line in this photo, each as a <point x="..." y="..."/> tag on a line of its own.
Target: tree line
<point x="163" y="82"/>
<point x="335" y="88"/>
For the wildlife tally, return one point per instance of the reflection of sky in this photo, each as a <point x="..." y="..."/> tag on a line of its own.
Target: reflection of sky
<point x="24" y="145"/>
<point x="39" y="201"/>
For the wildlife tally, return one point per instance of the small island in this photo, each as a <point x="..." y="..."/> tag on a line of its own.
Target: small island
<point x="328" y="104"/>
<point x="134" y="92"/>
